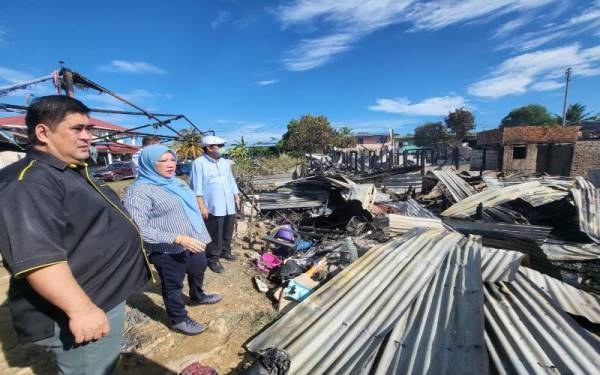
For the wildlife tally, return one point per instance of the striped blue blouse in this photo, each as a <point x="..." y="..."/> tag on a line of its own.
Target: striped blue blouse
<point x="161" y="218"/>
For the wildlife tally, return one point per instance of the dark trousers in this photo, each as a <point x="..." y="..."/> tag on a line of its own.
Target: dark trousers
<point x="172" y="269"/>
<point x="220" y="229"/>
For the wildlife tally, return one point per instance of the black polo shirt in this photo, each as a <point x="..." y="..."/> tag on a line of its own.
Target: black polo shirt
<point x="52" y="212"/>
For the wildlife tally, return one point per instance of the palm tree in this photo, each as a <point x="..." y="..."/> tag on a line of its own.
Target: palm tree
<point x="189" y="143"/>
<point x="575" y="115"/>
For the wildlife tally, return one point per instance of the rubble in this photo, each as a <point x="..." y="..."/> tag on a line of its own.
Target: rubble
<point x="497" y="258"/>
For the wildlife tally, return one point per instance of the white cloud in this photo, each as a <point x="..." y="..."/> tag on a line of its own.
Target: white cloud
<point x="546" y="85"/>
<point x="13" y="76"/>
<point x="509" y="27"/>
<point x="587" y="20"/>
<point x="517" y="74"/>
<point x="222" y="17"/>
<point x="132" y="67"/>
<point x="252" y="131"/>
<point x="267" y="82"/>
<point x="436" y="106"/>
<point x="434" y="15"/>
<point x="312" y="53"/>
<point x="347" y="21"/>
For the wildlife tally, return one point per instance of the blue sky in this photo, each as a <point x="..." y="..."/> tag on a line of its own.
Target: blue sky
<point x="249" y="67"/>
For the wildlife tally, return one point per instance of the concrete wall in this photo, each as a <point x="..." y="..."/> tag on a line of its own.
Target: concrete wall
<point x="586" y="156"/>
<point x="524" y="165"/>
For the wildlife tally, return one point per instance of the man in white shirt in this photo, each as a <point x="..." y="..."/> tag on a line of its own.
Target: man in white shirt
<point x="218" y="196"/>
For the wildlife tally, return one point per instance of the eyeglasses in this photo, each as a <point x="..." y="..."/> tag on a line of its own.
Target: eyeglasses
<point x="218" y="146"/>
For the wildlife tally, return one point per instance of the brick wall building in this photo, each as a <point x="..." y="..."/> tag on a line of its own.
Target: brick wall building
<point x="586" y="156"/>
<point x="532" y="148"/>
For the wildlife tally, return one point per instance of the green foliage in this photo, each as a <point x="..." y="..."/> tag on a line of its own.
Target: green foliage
<point x="188" y="144"/>
<point x="343" y="138"/>
<point x="459" y="123"/>
<point x="430" y="134"/>
<point x="576" y="113"/>
<point x="532" y="114"/>
<point x="310" y="134"/>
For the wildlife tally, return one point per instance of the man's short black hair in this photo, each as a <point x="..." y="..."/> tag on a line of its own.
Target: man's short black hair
<point x="150" y="140"/>
<point x="51" y="110"/>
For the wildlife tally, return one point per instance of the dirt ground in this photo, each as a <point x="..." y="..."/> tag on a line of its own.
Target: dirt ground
<point x="152" y="347"/>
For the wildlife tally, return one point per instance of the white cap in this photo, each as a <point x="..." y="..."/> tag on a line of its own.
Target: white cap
<point x="212" y="140"/>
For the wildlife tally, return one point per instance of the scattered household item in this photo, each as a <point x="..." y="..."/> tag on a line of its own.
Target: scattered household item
<point x="260" y="283"/>
<point x="267" y="261"/>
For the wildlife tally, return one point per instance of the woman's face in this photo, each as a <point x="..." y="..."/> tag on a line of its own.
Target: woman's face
<point x="165" y="166"/>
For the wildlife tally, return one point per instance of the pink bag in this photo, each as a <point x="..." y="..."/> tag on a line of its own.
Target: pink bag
<point x="267" y="262"/>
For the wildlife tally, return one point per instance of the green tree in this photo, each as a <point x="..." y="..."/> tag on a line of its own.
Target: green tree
<point x="532" y="114"/>
<point x="310" y="134"/>
<point x="459" y="123"/>
<point x="576" y="113"/>
<point x="189" y="143"/>
<point x="431" y="134"/>
<point x="343" y="138"/>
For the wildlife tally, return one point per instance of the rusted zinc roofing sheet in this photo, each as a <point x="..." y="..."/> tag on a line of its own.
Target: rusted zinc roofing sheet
<point x="443" y="333"/>
<point x="569" y="251"/>
<point x="454" y="188"/>
<point x="342" y="324"/>
<point x="495" y="197"/>
<point x="499" y="265"/>
<point x="526" y="332"/>
<point x="587" y="200"/>
<point x="572" y="300"/>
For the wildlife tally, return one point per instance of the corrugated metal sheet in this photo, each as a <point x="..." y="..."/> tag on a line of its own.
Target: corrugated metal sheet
<point x="535" y="233"/>
<point x="402" y="224"/>
<point x="443" y="334"/>
<point x="491" y="198"/>
<point x="499" y="265"/>
<point x="411" y="207"/>
<point x="587" y="201"/>
<point x="572" y="300"/>
<point x="400" y="184"/>
<point x="528" y="333"/>
<point x="454" y="188"/>
<point x="560" y="250"/>
<point x="293" y="199"/>
<point x="340" y="325"/>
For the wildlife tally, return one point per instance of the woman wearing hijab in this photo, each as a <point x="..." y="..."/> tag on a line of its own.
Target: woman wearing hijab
<point x="166" y="211"/>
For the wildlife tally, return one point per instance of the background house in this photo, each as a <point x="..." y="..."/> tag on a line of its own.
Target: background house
<point x="106" y="151"/>
<point x="554" y="149"/>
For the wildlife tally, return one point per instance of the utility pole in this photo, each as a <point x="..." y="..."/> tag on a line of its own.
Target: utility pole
<point x="568" y="78"/>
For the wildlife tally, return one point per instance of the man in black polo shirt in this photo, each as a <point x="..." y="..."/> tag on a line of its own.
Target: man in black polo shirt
<point x="74" y="254"/>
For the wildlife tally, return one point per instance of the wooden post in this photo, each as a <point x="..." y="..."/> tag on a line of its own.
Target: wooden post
<point x="405" y="158"/>
<point x="483" y="162"/>
<point x="422" y="162"/>
<point x="456" y="157"/>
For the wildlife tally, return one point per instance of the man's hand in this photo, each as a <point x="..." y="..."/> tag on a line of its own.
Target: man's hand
<point x="204" y="212"/>
<point x="57" y="285"/>
<point x="237" y="201"/>
<point x="191" y="244"/>
<point x="88" y="324"/>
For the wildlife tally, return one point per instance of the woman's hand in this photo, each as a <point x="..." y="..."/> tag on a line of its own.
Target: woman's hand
<point x="191" y="244"/>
